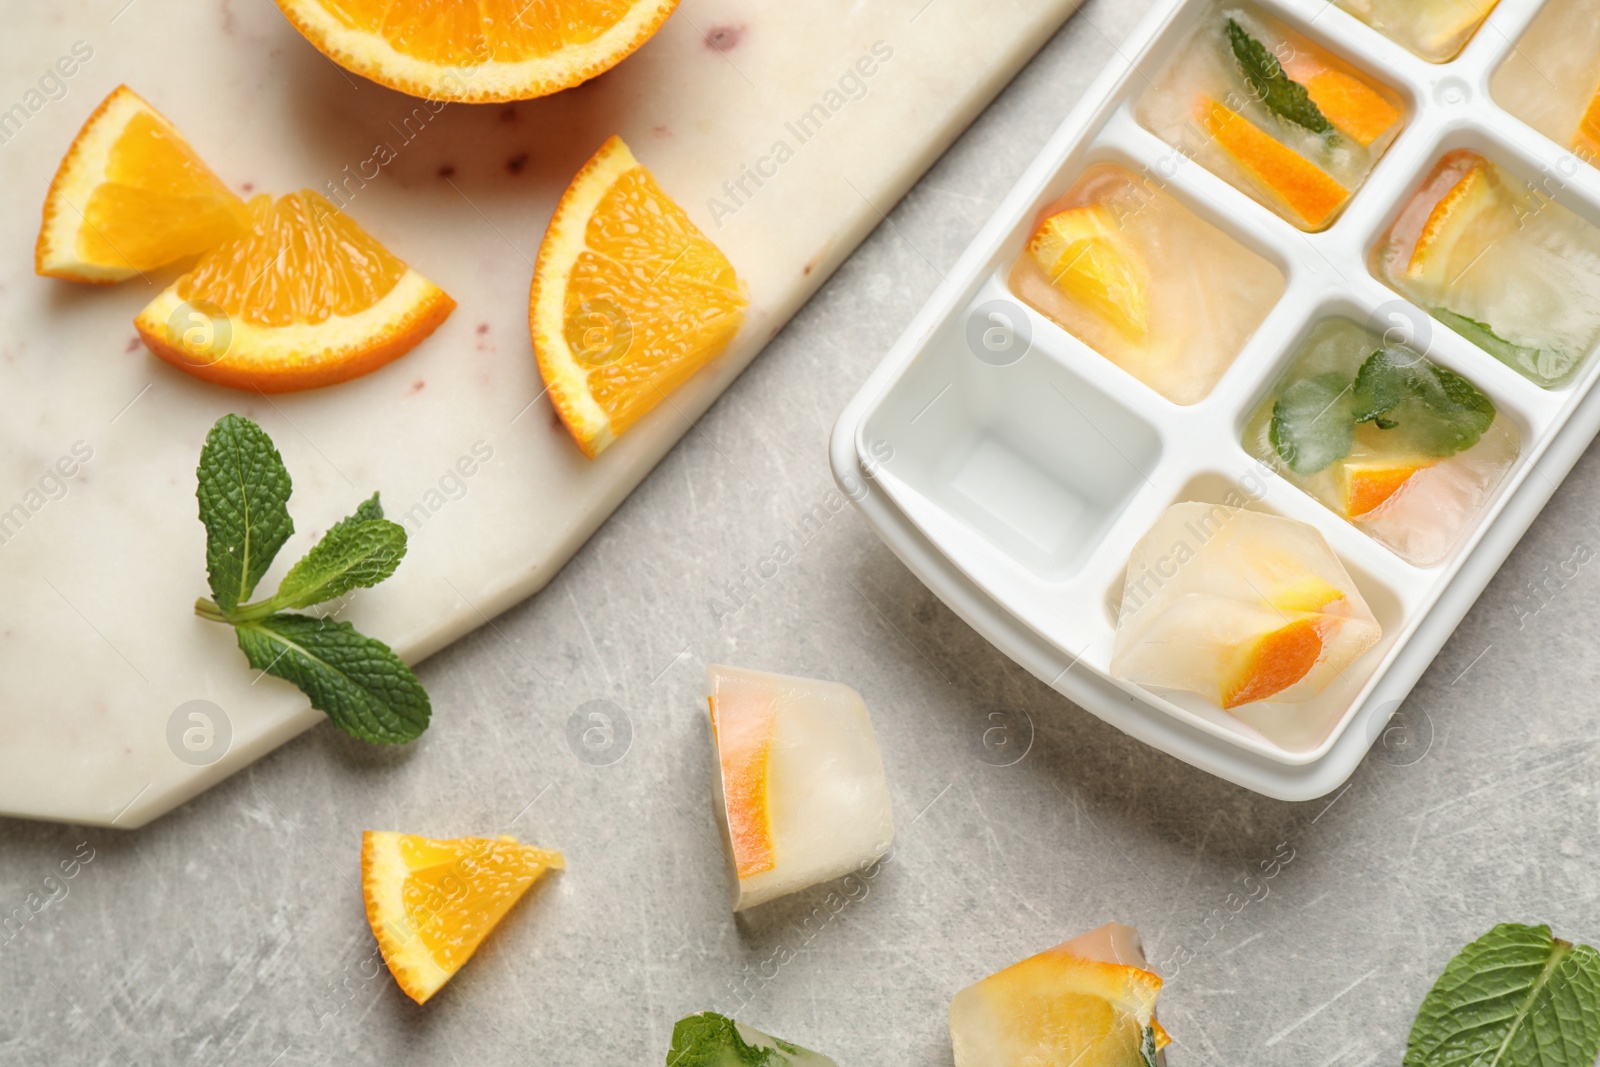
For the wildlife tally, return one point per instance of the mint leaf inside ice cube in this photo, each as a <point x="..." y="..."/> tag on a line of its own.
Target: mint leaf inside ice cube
<point x="1282" y="96"/>
<point x="1544" y="367"/>
<point x="1312" y="422"/>
<point x="1516" y="996"/>
<point x="1428" y="408"/>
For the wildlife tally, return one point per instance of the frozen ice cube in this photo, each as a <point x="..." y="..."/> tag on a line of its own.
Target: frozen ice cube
<point x="1272" y="113"/>
<point x="1088" y="1002"/>
<point x="1501" y="263"/>
<point x="1407" y="450"/>
<point x="1551" y="79"/>
<point x="1436" y="30"/>
<point x="1144" y="281"/>
<point x="1238" y="606"/>
<point x="800" y="789"/>
<point x="712" y="1040"/>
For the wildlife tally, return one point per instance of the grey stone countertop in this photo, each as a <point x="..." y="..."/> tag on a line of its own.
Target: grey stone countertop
<point x="232" y="930"/>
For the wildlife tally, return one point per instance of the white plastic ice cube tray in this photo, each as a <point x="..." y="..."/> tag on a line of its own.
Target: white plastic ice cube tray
<point x="1015" y="487"/>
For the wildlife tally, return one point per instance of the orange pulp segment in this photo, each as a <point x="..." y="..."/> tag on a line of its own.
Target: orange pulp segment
<point x="629" y="299"/>
<point x="1367" y="486"/>
<point x="432" y="902"/>
<point x="1087" y="257"/>
<point x="1453" y="217"/>
<point x="1352" y="105"/>
<point x="1272" y="662"/>
<point x="744" y="751"/>
<point x="1587" y="139"/>
<point x="130" y="195"/>
<point x="1294" y="181"/>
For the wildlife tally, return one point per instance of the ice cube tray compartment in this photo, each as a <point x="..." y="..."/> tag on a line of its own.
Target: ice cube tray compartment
<point x="1017" y="483"/>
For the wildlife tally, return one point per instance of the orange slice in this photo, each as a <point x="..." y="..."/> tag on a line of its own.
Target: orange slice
<point x="306" y="298"/>
<point x="477" y="51"/>
<point x="1272" y="662"/>
<point x="1458" y="213"/>
<point x="1352" y="105"/>
<point x="629" y="299"/>
<point x="1368" y="486"/>
<point x="744" y="751"/>
<point x="1086" y="256"/>
<point x="1057" y="1007"/>
<point x="1292" y="180"/>
<point x="129" y="196"/>
<point x="431" y="903"/>
<point x="1587" y="140"/>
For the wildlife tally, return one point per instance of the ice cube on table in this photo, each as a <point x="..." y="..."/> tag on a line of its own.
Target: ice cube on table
<point x="1501" y="263"/>
<point x="1551" y="79"/>
<point x="1133" y="274"/>
<point x="800" y="789"/>
<point x="1238" y="606"/>
<point x="712" y="1040"/>
<point x="1436" y="30"/>
<point x="1272" y="113"/>
<point x="1088" y="1002"/>
<point x="1407" y="450"/>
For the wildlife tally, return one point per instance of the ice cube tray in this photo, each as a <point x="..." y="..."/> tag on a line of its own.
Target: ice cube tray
<point x="1012" y="467"/>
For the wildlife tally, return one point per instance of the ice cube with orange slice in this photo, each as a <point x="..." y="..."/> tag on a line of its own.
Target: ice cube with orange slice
<point x="1238" y="606"/>
<point x="432" y="902"/>
<point x="1436" y="30"/>
<point x="1405" y="448"/>
<point x="1273" y="113"/>
<point x="1087" y="1002"/>
<point x="800" y="790"/>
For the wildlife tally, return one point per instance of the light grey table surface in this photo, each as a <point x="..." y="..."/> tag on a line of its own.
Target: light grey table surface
<point x="232" y="932"/>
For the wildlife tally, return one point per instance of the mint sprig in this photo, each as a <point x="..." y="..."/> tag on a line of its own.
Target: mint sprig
<point x="712" y="1040"/>
<point x="1282" y="95"/>
<point x="1516" y="997"/>
<point x="358" y="681"/>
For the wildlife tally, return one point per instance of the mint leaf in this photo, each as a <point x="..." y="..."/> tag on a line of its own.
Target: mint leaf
<point x="363" y="687"/>
<point x="1516" y="997"/>
<point x="712" y="1040"/>
<point x="1427" y="408"/>
<point x="355" y="554"/>
<point x="1147" y="1048"/>
<point x="1312" y="422"/>
<point x="243" y="493"/>
<point x="1545" y="367"/>
<point x="1283" y="97"/>
<point x="368" y="510"/>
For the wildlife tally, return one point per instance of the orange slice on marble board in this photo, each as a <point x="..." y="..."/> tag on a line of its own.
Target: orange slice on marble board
<point x="432" y="902"/>
<point x="304" y="298"/>
<point x="130" y="196"/>
<point x="1290" y="180"/>
<point x="479" y="52"/>
<point x="629" y="299"/>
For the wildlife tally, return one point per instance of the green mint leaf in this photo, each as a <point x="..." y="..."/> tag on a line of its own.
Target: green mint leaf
<point x="370" y="509"/>
<point x="1428" y="408"/>
<point x="243" y="494"/>
<point x="1543" y="366"/>
<point x="712" y="1040"/>
<point x="363" y="687"/>
<point x="1516" y="997"/>
<point x="1147" y="1048"/>
<point x="352" y="555"/>
<point x="1284" y="97"/>
<point x="1312" y="422"/>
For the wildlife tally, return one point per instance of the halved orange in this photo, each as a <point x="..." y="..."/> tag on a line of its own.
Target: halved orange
<point x="431" y="902"/>
<point x="1087" y="257"/>
<point x="1368" y="486"/>
<point x="1468" y="208"/>
<point x="477" y="51"/>
<point x="1293" y="181"/>
<point x="744" y="755"/>
<point x="629" y="299"/>
<point x="305" y="298"/>
<point x="130" y="196"/>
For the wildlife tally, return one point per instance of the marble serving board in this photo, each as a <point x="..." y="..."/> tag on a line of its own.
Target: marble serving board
<point x="786" y="130"/>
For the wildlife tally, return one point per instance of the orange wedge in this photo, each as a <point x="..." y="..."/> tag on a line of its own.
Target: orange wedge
<point x="1272" y="663"/>
<point x="1587" y="140"/>
<point x="629" y="299"/>
<point x="304" y="299"/>
<point x="1434" y="258"/>
<point x="129" y="196"/>
<point x="1086" y="256"/>
<point x="431" y="903"/>
<point x="1368" y="486"/>
<point x="1292" y="180"/>
<point x="1057" y="1008"/>
<point x="477" y="51"/>
<point x="1352" y="105"/>
<point x="744" y="751"/>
